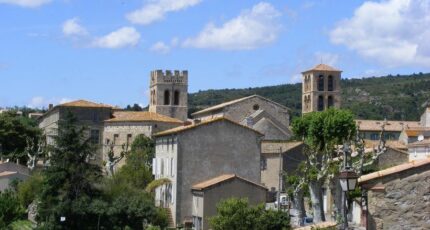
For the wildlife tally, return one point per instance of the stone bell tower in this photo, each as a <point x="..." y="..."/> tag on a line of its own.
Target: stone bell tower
<point x="320" y="88"/>
<point x="169" y="93"/>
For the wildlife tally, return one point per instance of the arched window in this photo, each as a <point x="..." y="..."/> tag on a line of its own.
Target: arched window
<point x="176" y="98"/>
<point x="167" y="97"/>
<point x="320" y="103"/>
<point x="330" y="101"/>
<point x="321" y="83"/>
<point x="330" y="85"/>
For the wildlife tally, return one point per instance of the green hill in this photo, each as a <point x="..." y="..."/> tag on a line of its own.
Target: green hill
<point x="401" y="97"/>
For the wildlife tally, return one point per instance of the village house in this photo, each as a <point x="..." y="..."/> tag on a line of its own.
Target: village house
<point x="9" y="172"/>
<point x="188" y="155"/>
<point x="207" y="194"/>
<point x="397" y="197"/>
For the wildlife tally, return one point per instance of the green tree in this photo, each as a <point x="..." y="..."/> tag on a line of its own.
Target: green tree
<point x="237" y="214"/>
<point x="10" y="209"/>
<point x="69" y="182"/>
<point x="322" y="132"/>
<point x="14" y="132"/>
<point x="29" y="189"/>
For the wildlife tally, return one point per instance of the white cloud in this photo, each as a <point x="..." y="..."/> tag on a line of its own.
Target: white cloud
<point x="26" y="3"/>
<point x="72" y="27"/>
<point x="41" y="102"/>
<point x="160" y="47"/>
<point x="393" y="32"/>
<point x="326" y="58"/>
<point x="123" y="37"/>
<point x="157" y="9"/>
<point x="251" y="29"/>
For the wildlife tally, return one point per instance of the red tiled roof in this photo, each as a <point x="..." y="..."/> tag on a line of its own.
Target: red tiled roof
<point x="322" y="67"/>
<point x="220" y="179"/>
<point x="131" y="116"/>
<point x="393" y="126"/>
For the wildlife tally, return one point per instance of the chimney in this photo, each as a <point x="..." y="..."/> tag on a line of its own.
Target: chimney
<point x="50" y="106"/>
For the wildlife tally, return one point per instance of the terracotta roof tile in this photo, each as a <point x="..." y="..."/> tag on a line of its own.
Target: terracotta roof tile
<point x="205" y="122"/>
<point x="322" y="67"/>
<point x="416" y="131"/>
<point x="393" y="126"/>
<point x="84" y="103"/>
<point x="393" y="170"/>
<point x="131" y="116"/>
<point x="220" y="179"/>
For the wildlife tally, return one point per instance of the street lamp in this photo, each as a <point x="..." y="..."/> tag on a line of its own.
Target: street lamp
<point x="348" y="180"/>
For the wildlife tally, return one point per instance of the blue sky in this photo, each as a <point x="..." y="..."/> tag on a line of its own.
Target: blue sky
<point x="53" y="51"/>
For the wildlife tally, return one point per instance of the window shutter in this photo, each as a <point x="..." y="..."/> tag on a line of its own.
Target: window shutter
<point x="154" y="166"/>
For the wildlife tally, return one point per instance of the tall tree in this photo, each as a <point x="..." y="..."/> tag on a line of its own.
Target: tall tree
<point x="69" y="181"/>
<point x="322" y="132"/>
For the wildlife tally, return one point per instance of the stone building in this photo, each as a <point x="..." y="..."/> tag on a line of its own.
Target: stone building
<point x="190" y="154"/>
<point x="320" y="88"/>
<point x="89" y="114"/>
<point x="371" y="129"/>
<point x="275" y="155"/>
<point x="207" y="194"/>
<point x="169" y="93"/>
<point x="125" y="126"/>
<point x="419" y="150"/>
<point x="266" y="116"/>
<point x="397" y="197"/>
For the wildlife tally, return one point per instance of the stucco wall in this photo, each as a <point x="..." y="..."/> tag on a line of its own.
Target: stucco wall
<point x="392" y="157"/>
<point x="234" y="188"/>
<point x="212" y="150"/>
<point x="403" y="202"/>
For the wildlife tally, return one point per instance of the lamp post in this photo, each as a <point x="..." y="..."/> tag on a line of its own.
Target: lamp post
<point x="348" y="181"/>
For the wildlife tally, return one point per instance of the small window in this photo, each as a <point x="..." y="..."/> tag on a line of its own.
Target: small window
<point x="176" y="98"/>
<point x="256" y="107"/>
<point x="95" y="136"/>
<point x="330" y="101"/>
<point x="263" y="163"/>
<point x="129" y="138"/>
<point x="374" y="136"/>
<point x="321" y="83"/>
<point x="167" y="97"/>
<point x="115" y="138"/>
<point x="320" y="103"/>
<point x="330" y="85"/>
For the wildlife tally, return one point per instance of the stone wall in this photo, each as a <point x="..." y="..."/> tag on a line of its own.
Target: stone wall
<point x="392" y="157"/>
<point x="400" y="201"/>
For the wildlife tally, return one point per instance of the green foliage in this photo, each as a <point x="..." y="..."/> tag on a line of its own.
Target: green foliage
<point x="14" y="131"/>
<point x="392" y="97"/>
<point x="10" y="209"/>
<point x="237" y="214"/>
<point x="156" y="183"/>
<point x="29" y="189"/>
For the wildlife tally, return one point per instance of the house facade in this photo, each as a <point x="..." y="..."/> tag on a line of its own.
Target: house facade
<point x="190" y="154"/>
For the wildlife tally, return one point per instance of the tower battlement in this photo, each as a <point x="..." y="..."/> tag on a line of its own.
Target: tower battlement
<point x="169" y="76"/>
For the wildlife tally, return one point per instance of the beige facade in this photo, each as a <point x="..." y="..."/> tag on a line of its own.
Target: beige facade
<point x="207" y="194"/>
<point x="169" y="93"/>
<point x="320" y="88"/>
<point x="189" y="154"/>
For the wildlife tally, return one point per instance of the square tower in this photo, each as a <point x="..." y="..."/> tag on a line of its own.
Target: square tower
<point x="169" y="93"/>
<point x="320" y="88"/>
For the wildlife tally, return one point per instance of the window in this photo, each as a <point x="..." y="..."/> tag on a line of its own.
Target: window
<point x="330" y="86"/>
<point x="320" y="103"/>
<point x="374" y="136"/>
<point x="167" y="97"/>
<point x="263" y="163"/>
<point x="129" y="138"/>
<point x="256" y="107"/>
<point x="95" y="136"/>
<point x="115" y="138"/>
<point x="162" y="166"/>
<point x="330" y="101"/>
<point x="171" y="166"/>
<point x="321" y="83"/>
<point x="176" y="98"/>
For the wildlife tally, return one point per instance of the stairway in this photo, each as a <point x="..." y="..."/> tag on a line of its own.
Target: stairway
<point x="170" y="218"/>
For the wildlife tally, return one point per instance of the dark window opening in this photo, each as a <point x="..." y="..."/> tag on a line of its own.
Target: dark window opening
<point x="374" y="136"/>
<point x="176" y="98"/>
<point x="320" y="83"/>
<point x="256" y="107"/>
<point x="330" y="101"/>
<point x="95" y="136"/>
<point x="330" y="85"/>
<point x="320" y="103"/>
<point x="167" y="97"/>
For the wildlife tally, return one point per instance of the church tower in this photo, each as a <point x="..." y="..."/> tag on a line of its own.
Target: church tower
<point x="169" y="93"/>
<point x="320" y="88"/>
